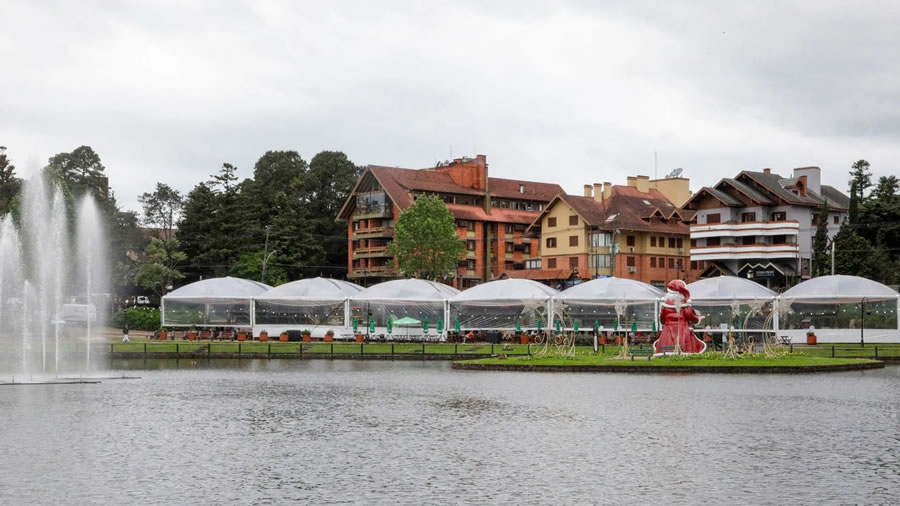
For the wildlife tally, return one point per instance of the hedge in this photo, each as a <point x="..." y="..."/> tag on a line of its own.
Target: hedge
<point x="138" y="318"/>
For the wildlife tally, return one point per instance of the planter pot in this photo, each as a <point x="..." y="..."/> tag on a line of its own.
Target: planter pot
<point x="307" y="338"/>
<point x="264" y="337"/>
<point x="811" y="340"/>
<point x="602" y="339"/>
<point x="523" y="339"/>
<point x="242" y="336"/>
<point x="163" y="335"/>
<point x="618" y="340"/>
<point x="707" y="338"/>
<point x="192" y="336"/>
<point x="329" y="338"/>
<point x="283" y="337"/>
<point x="360" y="338"/>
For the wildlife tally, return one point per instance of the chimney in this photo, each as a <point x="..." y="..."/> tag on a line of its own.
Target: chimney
<point x="643" y="184"/>
<point x="813" y="178"/>
<point x="607" y="190"/>
<point x="588" y="191"/>
<point x="631" y="181"/>
<point x="598" y="191"/>
<point x="767" y="171"/>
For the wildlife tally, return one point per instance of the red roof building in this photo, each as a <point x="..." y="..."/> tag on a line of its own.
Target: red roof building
<point x="491" y="214"/>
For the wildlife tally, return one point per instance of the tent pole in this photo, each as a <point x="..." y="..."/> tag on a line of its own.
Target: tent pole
<point x="162" y="310"/>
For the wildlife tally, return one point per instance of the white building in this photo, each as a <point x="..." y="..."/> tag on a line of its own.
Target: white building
<point x="760" y="225"/>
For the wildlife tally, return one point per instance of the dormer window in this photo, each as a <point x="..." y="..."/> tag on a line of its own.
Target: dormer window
<point x="521" y="188"/>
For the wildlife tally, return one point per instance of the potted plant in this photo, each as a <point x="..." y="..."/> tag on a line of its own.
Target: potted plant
<point x="329" y="336"/>
<point x="523" y="338"/>
<point x="307" y="335"/>
<point x="163" y="334"/>
<point x="618" y="340"/>
<point x="283" y="337"/>
<point x="241" y="335"/>
<point x="192" y="334"/>
<point x="811" y="336"/>
<point x="360" y="338"/>
<point x="602" y="339"/>
<point x="263" y="336"/>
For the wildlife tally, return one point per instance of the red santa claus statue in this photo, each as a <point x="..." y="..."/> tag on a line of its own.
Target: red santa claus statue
<point x="677" y="317"/>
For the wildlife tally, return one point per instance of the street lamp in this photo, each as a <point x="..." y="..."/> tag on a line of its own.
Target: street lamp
<point x="265" y="262"/>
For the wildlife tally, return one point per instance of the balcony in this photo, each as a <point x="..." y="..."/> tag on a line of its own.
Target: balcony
<point x="371" y="252"/>
<point x="373" y="211"/>
<point x="381" y="271"/>
<point x="745" y="251"/>
<point x="753" y="228"/>
<point x="374" y="233"/>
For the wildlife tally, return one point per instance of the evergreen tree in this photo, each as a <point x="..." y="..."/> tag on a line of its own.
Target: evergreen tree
<point x="853" y="212"/>
<point x="862" y="176"/>
<point x="820" y="243"/>
<point x="9" y="183"/>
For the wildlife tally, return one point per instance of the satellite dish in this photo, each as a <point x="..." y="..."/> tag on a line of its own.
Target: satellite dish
<point x="675" y="173"/>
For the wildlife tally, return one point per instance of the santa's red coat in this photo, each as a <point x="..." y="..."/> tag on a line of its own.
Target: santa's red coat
<point x="677" y="330"/>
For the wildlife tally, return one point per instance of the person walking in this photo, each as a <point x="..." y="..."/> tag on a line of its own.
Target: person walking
<point x="125" y="334"/>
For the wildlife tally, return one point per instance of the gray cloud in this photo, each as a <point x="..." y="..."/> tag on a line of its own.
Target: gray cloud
<point x="574" y="92"/>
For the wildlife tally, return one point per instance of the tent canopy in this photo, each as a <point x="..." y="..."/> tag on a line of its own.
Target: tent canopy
<point x="839" y="288"/>
<point x="612" y="289"/>
<point x="728" y="288"/>
<point x="219" y="288"/>
<point x="313" y="288"/>
<point x="506" y="290"/>
<point x="407" y="289"/>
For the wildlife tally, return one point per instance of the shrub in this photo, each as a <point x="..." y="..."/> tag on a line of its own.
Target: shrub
<point x="138" y="318"/>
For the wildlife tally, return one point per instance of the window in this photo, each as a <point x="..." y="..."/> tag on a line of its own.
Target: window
<point x="837" y="219"/>
<point x="509" y="228"/>
<point x="672" y="242"/>
<point x="533" y="264"/>
<point x="521" y="188"/>
<point x="551" y="222"/>
<point x="653" y="262"/>
<point x="509" y="247"/>
<point x="671" y="263"/>
<point x="712" y="241"/>
<point x="779" y="216"/>
<point x="573" y="262"/>
<point x="693" y="265"/>
<point x="662" y="263"/>
<point x="658" y="283"/>
<point x="652" y="241"/>
<point x="355" y="225"/>
<point x="600" y="261"/>
<point x="573" y="240"/>
<point x="779" y="239"/>
<point x="470" y="226"/>
<point x="551" y="242"/>
<point x="713" y="218"/>
<point x="748" y="217"/>
<point x="679" y="243"/>
<point x="678" y="265"/>
<point x="470" y="264"/>
<point x="573" y="220"/>
<point x="470" y="245"/>
<point x="551" y="263"/>
<point x="693" y="243"/>
<point x="629" y="261"/>
<point x="601" y="239"/>
<point x="526" y="248"/>
<point x="629" y="240"/>
<point x="748" y="240"/>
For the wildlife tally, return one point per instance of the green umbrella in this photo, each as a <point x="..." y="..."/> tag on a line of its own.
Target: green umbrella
<point x="540" y="325"/>
<point x="616" y="326"/>
<point x="440" y="327"/>
<point x="371" y="326"/>
<point x="390" y="324"/>
<point x="518" y="326"/>
<point x="654" y="325"/>
<point x="425" y="325"/>
<point x="558" y="326"/>
<point x="355" y="325"/>
<point x="634" y="326"/>
<point x="406" y="321"/>
<point x="596" y="325"/>
<point x="575" y="325"/>
<point x="456" y="325"/>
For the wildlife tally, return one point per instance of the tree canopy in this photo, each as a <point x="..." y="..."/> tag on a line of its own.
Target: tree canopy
<point x="425" y="241"/>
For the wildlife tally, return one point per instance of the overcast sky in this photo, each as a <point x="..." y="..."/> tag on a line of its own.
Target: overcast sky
<point x="573" y="92"/>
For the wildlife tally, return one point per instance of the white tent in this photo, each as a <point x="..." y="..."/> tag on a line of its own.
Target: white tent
<point x="425" y="301"/>
<point x="316" y="304"/>
<point x="841" y="309"/>
<point x="500" y="305"/>
<point x="214" y="302"/>
<point x="604" y="302"/>
<point x="730" y="301"/>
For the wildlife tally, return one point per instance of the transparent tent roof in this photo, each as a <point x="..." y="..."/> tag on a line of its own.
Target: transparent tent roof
<point x="612" y="289"/>
<point x="833" y="288"/>
<point x="506" y="290"/>
<point x="219" y="288"/>
<point x="730" y="288"/>
<point x="313" y="288"/>
<point x="407" y="289"/>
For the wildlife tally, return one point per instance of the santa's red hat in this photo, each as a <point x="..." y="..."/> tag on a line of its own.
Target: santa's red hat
<point x="677" y="285"/>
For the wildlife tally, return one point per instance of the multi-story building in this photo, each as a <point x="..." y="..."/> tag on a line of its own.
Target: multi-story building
<point x="632" y="231"/>
<point x="491" y="216"/>
<point x="760" y="225"/>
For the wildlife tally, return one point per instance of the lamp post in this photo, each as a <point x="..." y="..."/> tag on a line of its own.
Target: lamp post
<point x="862" y="322"/>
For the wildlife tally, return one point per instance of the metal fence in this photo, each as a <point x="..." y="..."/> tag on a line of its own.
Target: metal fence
<point x="318" y="349"/>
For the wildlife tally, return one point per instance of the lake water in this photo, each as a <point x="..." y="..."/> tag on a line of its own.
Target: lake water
<point x="266" y="432"/>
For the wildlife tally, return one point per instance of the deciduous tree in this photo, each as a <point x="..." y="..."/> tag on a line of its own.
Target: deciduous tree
<point x="425" y="241"/>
